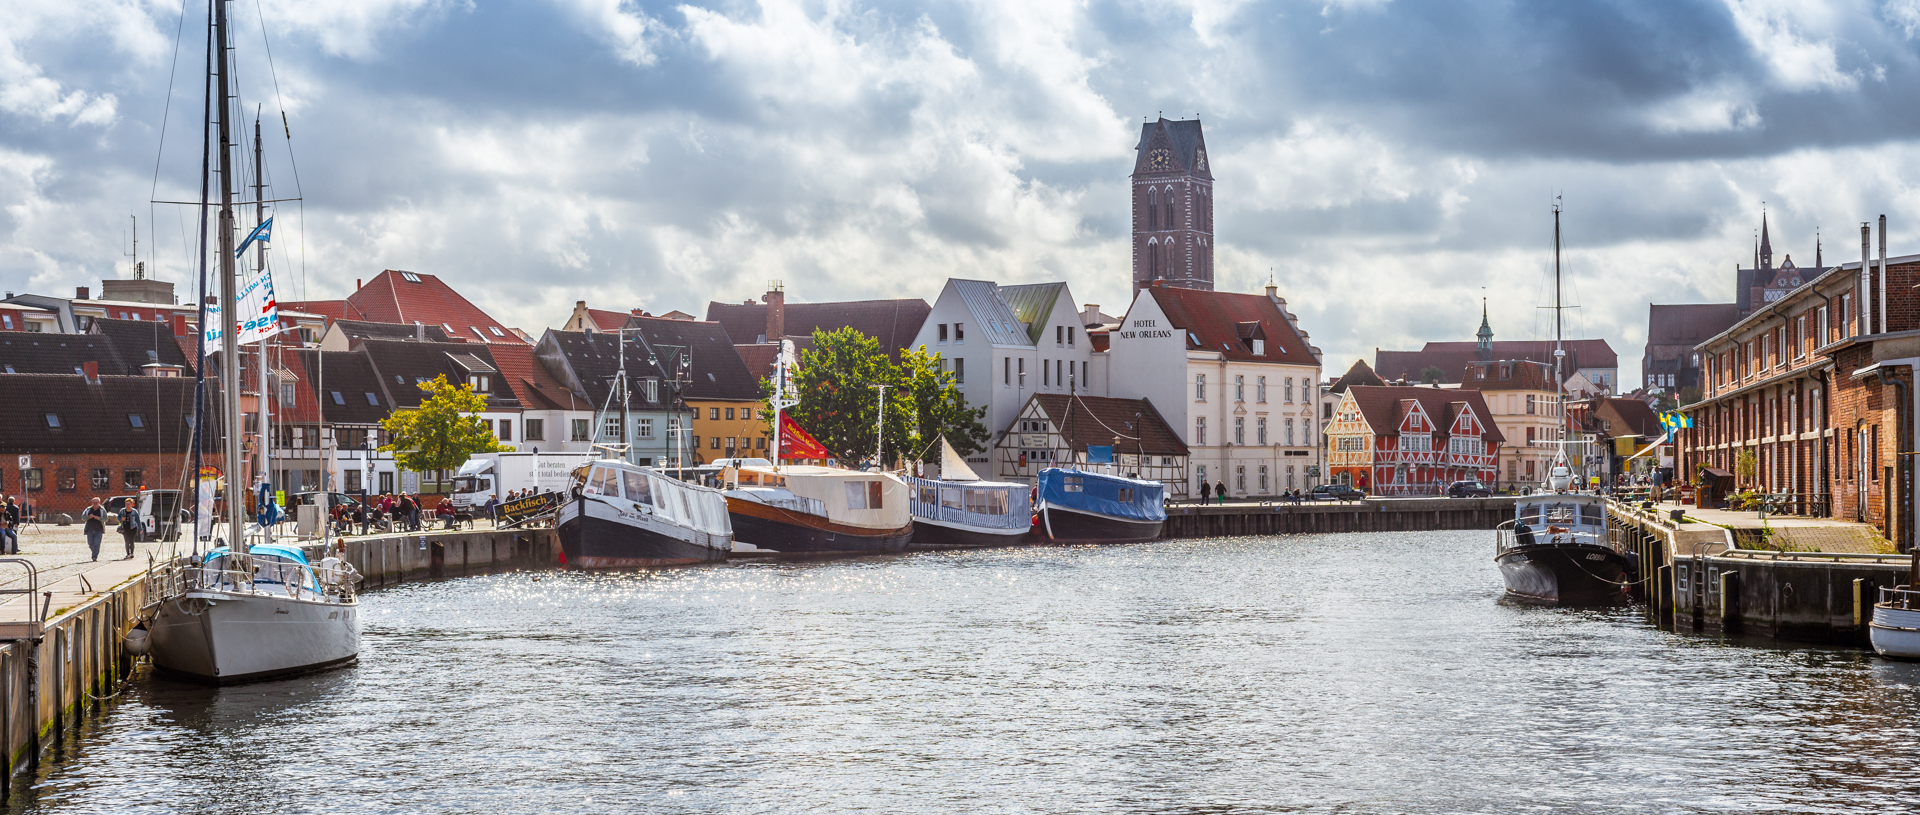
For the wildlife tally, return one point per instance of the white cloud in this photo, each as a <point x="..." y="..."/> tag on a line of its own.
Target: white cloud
<point x="1776" y="30"/>
<point x="343" y="28"/>
<point x="627" y="29"/>
<point x="1714" y="109"/>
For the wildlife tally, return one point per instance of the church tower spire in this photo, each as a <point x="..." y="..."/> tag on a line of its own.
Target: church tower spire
<point x="1766" y="245"/>
<point x="1172" y="206"/>
<point x="1486" y="334"/>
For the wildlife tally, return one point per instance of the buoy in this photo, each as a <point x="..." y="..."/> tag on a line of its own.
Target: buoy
<point x="137" y="644"/>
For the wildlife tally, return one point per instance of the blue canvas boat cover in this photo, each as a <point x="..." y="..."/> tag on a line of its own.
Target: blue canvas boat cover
<point x="1108" y="495"/>
<point x="292" y="553"/>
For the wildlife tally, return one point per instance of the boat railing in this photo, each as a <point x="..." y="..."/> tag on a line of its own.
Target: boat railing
<point x="1901" y="597"/>
<point x="1506" y="538"/>
<point x="810" y="506"/>
<point x="181" y="575"/>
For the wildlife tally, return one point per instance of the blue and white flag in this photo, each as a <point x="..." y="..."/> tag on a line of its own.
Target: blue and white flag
<point x="262" y="233"/>
<point x="259" y="313"/>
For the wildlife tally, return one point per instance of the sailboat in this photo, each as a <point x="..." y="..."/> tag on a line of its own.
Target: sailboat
<point x="240" y="611"/>
<point x="1556" y="549"/>
<point x="959" y="509"/>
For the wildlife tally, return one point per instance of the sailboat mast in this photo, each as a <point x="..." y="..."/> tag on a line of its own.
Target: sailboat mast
<point x="229" y="350"/>
<point x="262" y="473"/>
<point x="1559" y="354"/>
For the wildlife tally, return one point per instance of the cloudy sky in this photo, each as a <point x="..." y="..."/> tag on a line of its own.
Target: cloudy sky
<point x="1388" y="162"/>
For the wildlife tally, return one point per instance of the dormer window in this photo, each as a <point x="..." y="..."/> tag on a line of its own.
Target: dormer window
<point x="480" y="383"/>
<point x="1259" y="348"/>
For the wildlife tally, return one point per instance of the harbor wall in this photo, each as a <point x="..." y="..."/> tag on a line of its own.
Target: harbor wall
<point x="50" y="685"/>
<point x="1372" y="515"/>
<point x="1693" y="573"/>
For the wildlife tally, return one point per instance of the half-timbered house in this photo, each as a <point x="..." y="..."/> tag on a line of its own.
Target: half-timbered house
<point x="1411" y="440"/>
<point x="1062" y="429"/>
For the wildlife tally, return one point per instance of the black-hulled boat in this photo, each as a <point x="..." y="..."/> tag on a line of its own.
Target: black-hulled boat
<point x="1556" y="549"/>
<point x="1077" y="506"/>
<point x="621" y="516"/>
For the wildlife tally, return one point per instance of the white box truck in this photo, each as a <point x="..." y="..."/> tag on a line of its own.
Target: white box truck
<point x="491" y="475"/>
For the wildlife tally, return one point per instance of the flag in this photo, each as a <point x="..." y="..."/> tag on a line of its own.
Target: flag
<point x="262" y="233"/>
<point x="796" y="442"/>
<point x="259" y="313"/>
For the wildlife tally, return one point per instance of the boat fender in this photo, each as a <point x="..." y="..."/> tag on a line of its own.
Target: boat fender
<point x="137" y="643"/>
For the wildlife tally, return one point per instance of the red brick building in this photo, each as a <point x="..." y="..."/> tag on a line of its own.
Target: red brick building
<point x="1172" y="206"/>
<point x="1814" y="389"/>
<point x="82" y="436"/>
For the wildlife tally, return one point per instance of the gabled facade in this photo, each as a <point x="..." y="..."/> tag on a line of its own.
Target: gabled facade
<point x="1004" y="344"/>
<point x="590" y="363"/>
<point x="720" y="396"/>
<point x="1234" y="376"/>
<point x="1525" y="406"/>
<point x="1410" y="440"/>
<point x="404" y="297"/>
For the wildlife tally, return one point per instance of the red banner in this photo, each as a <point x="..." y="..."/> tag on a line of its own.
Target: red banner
<point x="796" y="442"/>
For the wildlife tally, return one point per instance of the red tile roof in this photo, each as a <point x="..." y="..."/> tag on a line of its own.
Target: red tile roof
<point x="893" y="322"/>
<point x="1227" y="322"/>
<point x="1358" y="374"/>
<point x="536" y="388"/>
<point x="605" y="320"/>
<point x="403" y="297"/>
<point x="759" y="358"/>
<point x="1384" y="407"/>
<point x="1452" y="357"/>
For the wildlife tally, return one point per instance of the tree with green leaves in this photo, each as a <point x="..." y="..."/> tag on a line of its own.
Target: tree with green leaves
<point x="1432" y="374"/>
<point x="940" y="409"/>
<point x="443" y="432"/>
<point x="838" y="401"/>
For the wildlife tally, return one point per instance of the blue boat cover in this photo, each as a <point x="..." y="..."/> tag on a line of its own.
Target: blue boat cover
<point x="292" y="553"/>
<point x="1108" y="495"/>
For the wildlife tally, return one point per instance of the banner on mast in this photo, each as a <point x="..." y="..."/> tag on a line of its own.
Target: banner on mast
<point x="796" y="442"/>
<point x="259" y="314"/>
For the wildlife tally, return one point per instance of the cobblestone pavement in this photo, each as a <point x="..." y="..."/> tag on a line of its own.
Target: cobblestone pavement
<point x="61" y="551"/>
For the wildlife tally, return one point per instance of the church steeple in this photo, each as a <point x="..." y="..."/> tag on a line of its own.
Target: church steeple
<point x="1766" y="245"/>
<point x="1485" y="334"/>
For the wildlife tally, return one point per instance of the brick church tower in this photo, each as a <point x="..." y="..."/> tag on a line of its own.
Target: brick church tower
<point x="1172" y="206"/>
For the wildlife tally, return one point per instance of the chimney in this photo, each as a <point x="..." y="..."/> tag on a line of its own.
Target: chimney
<point x="1090" y="315"/>
<point x="179" y="325"/>
<point x="356" y="284"/>
<point x="776" y="298"/>
<point x="82" y="293"/>
<point x="1883" y="274"/>
<point x="419" y="331"/>
<point x="92" y="370"/>
<point x="1273" y="292"/>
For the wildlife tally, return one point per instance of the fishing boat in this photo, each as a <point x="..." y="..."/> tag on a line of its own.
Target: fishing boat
<point x="242" y="610"/>
<point x="817" y="510"/>
<point x="1077" y="506"/>
<point x="1556" y="549"/>
<point x="623" y="516"/>
<point x="959" y="509"/>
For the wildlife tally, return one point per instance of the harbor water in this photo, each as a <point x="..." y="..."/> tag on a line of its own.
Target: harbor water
<point x="1312" y="673"/>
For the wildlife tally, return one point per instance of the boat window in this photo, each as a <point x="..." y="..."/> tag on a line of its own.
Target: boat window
<point x="1530" y="514"/>
<point x="977" y="501"/>
<point x="997" y="502"/>
<point x="1590" y="514"/>
<point x="873" y="494"/>
<point x="638" y="490"/>
<point x="603" y="482"/>
<point x="929" y="495"/>
<point x="1071" y="484"/>
<point x="1560" y="514"/>
<point x="950" y="498"/>
<point x="1126" y="494"/>
<point x="856" y="495"/>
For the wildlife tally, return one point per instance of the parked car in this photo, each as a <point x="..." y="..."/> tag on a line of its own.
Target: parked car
<point x="1337" y="492"/>
<point x="1469" y="489"/>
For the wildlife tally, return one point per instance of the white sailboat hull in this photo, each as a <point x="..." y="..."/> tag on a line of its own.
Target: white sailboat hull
<point x="1895" y="632"/>
<point x="234" y="636"/>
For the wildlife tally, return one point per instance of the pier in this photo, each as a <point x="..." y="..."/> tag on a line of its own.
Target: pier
<point x="1815" y="580"/>
<point x="1310" y="517"/>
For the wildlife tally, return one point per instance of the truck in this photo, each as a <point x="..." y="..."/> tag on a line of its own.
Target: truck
<point x="492" y="475"/>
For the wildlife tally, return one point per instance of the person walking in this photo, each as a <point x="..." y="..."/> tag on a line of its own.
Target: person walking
<point x="1220" y="492"/>
<point x="405" y="509"/>
<point x="10" y="528"/>
<point x="129" y="526"/>
<point x="96" y="526"/>
<point x="1206" y="492"/>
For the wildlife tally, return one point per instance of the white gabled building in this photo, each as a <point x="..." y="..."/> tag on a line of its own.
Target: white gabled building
<point x="1006" y="343"/>
<point x="1235" y="377"/>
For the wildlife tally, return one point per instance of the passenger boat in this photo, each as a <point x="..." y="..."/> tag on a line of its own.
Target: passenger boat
<point x="623" y="516"/>
<point x="241" y="616"/>
<point x="817" y="510"/>
<point x="1556" y="549"/>
<point x="1077" y="506"/>
<point x="959" y="509"/>
<point x="1895" y="628"/>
